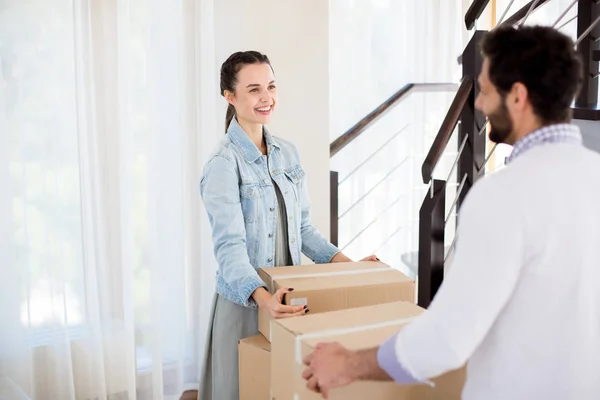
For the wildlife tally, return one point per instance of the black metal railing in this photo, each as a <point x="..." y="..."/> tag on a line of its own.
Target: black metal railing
<point x="472" y="157"/>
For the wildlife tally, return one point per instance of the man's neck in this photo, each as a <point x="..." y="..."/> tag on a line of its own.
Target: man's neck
<point x="525" y="130"/>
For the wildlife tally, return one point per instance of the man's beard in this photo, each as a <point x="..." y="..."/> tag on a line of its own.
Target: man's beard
<point x="501" y="123"/>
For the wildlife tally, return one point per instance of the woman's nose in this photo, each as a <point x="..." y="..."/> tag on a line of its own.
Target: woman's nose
<point x="265" y="98"/>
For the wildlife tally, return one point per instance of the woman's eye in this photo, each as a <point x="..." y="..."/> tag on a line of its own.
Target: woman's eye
<point x="254" y="90"/>
<point x="271" y="87"/>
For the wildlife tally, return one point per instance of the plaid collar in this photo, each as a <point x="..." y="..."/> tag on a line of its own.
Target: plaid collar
<point x="558" y="133"/>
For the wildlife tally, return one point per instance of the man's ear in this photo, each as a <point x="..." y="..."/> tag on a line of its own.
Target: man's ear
<point x="520" y="95"/>
<point x="229" y="97"/>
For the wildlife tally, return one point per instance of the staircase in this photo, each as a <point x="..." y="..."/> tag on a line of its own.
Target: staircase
<point x="402" y="172"/>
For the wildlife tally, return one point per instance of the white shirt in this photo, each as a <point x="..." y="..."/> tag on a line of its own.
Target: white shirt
<point x="521" y="302"/>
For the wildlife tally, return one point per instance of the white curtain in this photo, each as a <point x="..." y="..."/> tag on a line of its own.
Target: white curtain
<point x="106" y="114"/>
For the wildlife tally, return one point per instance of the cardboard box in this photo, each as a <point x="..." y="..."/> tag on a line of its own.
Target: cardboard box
<point x="255" y="368"/>
<point x="359" y="328"/>
<point x="337" y="286"/>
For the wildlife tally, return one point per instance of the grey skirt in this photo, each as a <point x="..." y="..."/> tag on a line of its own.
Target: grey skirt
<point x="230" y="322"/>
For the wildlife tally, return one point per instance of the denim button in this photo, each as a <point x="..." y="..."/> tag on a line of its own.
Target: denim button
<point x="270" y="235"/>
<point x="272" y="209"/>
<point x="269" y="260"/>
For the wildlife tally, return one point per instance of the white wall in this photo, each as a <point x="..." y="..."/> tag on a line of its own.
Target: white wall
<point x="294" y="34"/>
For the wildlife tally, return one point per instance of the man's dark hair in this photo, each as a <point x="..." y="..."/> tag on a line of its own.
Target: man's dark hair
<point x="542" y="59"/>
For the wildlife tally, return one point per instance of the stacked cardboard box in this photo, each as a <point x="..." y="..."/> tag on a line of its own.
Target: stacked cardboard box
<point x="362" y="303"/>
<point x="339" y="286"/>
<point x="255" y="368"/>
<point x="358" y="328"/>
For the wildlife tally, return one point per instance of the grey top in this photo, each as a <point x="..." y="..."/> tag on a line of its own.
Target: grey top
<point x="282" y="249"/>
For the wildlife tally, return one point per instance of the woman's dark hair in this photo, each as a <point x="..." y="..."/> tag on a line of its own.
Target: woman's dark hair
<point x="542" y="59"/>
<point x="229" y="71"/>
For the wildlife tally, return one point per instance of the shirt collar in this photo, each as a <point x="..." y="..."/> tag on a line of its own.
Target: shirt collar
<point x="557" y="133"/>
<point x="250" y="151"/>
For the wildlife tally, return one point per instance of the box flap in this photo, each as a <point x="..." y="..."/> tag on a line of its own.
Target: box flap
<point x="276" y="272"/>
<point x="258" y="341"/>
<point x="345" y="281"/>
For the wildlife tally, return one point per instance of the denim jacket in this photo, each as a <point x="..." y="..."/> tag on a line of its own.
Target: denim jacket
<point x="241" y="203"/>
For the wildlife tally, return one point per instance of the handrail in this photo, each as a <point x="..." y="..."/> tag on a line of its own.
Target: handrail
<point x="474" y="12"/>
<point x="519" y="15"/>
<point x="443" y="137"/>
<point x="362" y="125"/>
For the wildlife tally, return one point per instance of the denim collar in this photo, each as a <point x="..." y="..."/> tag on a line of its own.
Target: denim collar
<point x="249" y="150"/>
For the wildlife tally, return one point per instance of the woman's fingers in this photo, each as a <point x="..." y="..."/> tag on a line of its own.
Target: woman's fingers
<point x="295" y="312"/>
<point x="282" y="308"/>
<point x="280" y="293"/>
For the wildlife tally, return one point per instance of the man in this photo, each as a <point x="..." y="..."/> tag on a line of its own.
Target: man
<point x="522" y="300"/>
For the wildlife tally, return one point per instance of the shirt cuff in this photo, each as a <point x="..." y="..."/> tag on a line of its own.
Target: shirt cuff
<point x="388" y="361"/>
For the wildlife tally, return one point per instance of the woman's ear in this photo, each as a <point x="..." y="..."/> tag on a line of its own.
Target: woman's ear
<point x="229" y="97"/>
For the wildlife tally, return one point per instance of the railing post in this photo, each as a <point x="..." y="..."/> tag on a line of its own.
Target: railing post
<point x="588" y="11"/>
<point x="431" y="242"/>
<point x="333" y="207"/>
<point x="471" y="120"/>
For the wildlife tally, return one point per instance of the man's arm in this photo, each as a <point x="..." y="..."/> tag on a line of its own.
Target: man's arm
<point x="379" y="364"/>
<point x="364" y="366"/>
<point x="490" y="254"/>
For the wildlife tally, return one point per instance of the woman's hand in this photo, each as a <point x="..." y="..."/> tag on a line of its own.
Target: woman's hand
<point x="272" y="303"/>
<point x="341" y="257"/>
<point x="371" y="258"/>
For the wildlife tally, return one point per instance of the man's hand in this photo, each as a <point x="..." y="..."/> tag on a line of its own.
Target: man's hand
<point x="329" y="366"/>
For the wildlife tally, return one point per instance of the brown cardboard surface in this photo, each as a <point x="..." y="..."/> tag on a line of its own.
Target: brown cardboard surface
<point x="338" y="291"/>
<point x="329" y="327"/>
<point x="255" y="368"/>
<point x="311" y="269"/>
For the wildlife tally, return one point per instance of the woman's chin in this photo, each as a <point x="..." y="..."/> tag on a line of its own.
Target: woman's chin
<point x="263" y="119"/>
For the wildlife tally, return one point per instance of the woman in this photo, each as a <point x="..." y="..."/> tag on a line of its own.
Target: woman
<point x="254" y="192"/>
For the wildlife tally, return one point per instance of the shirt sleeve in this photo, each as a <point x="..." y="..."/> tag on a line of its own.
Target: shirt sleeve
<point x="390" y="363"/>
<point x="486" y="269"/>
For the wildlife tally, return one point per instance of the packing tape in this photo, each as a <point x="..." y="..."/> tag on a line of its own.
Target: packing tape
<point x="326" y="274"/>
<point x="343" y="331"/>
